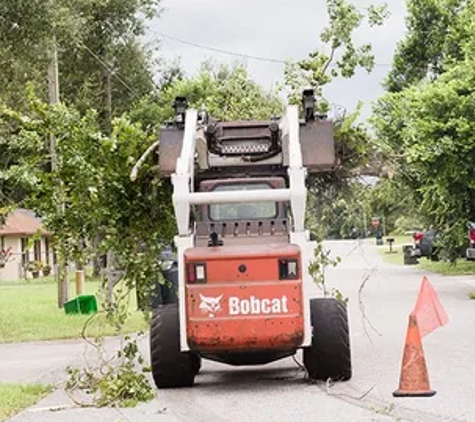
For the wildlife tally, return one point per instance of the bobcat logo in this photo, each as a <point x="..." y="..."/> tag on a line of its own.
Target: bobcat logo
<point x="210" y="305"/>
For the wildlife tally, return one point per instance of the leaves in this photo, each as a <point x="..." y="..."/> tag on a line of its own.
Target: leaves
<point x="437" y="32"/>
<point x="342" y="57"/>
<point x="116" y="382"/>
<point x="227" y="92"/>
<point x="317" y="271"/>
<point x="435" y="142"/>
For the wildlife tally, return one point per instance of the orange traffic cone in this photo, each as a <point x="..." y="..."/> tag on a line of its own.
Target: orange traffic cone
<point x="414" y="380"/>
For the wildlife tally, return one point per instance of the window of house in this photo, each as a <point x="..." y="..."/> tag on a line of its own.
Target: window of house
<point x="25" y="253"/>
<point x="37" y="250"/>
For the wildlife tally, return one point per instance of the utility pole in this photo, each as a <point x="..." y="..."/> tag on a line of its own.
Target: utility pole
<point x="53" y="86"/>
<point x="53" y="93"/>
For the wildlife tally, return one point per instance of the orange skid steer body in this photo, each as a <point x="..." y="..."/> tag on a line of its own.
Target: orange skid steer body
<point x="240" y="292"/>
<point x="244" y="298"/>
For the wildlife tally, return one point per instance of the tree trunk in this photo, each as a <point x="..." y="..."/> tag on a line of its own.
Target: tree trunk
<point x="63" y="280"/>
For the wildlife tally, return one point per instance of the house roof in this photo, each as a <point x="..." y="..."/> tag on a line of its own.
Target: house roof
<point x="21" y="222"/>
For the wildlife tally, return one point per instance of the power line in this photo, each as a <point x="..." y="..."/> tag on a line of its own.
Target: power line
<point x="107" y="67"/>
<point x="219" y="50"/>
<point x="234" y="53"/>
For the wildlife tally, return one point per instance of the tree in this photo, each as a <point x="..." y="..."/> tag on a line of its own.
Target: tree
<point x="102" y="64"/>
<point x="424" y="124"/>
<point x="227" y="92"/>
<point x="436" y="34"/>
<point x="132" y="218"/>
<point x="106" y="67"/>
<point x="339" y="213"/>
<point x="435" y="146"/>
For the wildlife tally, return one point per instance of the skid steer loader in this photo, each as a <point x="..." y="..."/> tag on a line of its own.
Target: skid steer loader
<point x="239" y="197"/>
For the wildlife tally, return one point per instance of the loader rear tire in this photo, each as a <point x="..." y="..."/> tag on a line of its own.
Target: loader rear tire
<point x="329" y="356"/>
<point x="171" y="368"/>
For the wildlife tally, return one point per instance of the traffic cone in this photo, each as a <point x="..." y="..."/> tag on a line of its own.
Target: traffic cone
<point x="414" y="381"/>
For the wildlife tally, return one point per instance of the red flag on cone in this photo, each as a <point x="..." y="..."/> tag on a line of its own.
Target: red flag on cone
<point x="429" y="311"/>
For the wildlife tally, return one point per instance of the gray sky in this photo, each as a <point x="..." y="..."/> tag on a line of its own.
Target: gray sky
<point x="279" y="29"/>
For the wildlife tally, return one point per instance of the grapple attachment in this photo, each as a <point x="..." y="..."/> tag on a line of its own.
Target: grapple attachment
<point x="243" y="144"/>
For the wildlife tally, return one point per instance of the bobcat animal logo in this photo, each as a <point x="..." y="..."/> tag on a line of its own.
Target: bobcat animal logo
<point x="210" y="305"/>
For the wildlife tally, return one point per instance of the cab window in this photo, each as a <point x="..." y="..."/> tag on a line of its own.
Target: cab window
<point x="243" y="211"/>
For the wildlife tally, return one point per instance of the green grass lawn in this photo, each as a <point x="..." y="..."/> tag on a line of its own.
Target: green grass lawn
<point x="15" y="397"/>
<point x="398" y="240"/>
<point x="461" y="267"/>
<point x="28" y="311"/>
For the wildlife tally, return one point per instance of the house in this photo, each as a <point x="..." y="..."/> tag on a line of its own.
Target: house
<point x="24" y="243"/>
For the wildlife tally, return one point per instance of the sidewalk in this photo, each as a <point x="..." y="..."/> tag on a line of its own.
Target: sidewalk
<point x="45" y="362"/>
<point x="38" y="362"/>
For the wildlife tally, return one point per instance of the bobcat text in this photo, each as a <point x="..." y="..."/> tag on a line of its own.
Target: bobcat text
<point x="254" y="306"/>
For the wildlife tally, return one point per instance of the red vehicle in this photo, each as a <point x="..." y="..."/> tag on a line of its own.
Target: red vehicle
<point x="417" y="236"/>
<point x="243" y="251"/>
<point x="470" y="253"/>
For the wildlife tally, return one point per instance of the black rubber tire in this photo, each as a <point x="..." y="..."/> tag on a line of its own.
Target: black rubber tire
<point x="329" y="356"/>
<point x="171" y="368"/>
<point x="197" y="363"/>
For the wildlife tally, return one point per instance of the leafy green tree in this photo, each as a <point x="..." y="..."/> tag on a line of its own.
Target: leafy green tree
<point x="340" y="212"/>
<point x="436" y="34"/>
<point x="394" y="201"/>
<point x="436" y="145"/>
<point x="92" y="181"/>
<point x="102" y="64"/>
<point x="424" y="122"/>
<point x="105" y="66"/>
<point x="26" y="31"/>
<point x="227" y="92"/>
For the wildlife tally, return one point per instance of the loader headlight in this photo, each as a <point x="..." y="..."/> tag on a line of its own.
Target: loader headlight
<point x="308" y="103"/>
<point x="180" y="105"/>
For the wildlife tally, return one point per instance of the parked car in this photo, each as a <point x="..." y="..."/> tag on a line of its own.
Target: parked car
<point x="425" y="244"/>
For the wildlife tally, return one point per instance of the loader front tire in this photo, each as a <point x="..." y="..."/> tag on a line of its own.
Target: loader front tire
<point x="171" y="368"/>
<point x="329" y="356"/>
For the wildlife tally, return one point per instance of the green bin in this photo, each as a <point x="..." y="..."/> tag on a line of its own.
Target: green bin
<point x="84" y="304"/>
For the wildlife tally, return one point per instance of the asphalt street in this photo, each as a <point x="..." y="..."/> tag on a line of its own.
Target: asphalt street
<point x="381" y="297"/>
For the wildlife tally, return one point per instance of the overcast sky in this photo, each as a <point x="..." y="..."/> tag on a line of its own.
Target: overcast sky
<point x="278" y="29"/>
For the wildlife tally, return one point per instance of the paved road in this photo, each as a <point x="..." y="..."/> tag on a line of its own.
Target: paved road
<point x="381" y="296"/>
